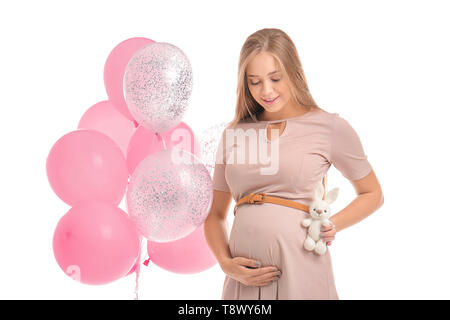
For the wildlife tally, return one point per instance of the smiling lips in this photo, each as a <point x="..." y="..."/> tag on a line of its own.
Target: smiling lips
<point x="270" y="100"/>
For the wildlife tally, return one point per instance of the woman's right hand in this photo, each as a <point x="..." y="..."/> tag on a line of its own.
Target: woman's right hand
<point x="248" y="272"/>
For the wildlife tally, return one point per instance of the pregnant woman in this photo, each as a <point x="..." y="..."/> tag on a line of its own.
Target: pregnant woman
<point x="280" y="144"/>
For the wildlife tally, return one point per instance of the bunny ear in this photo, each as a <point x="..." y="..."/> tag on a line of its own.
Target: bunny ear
<point x="332" y="195"/>
<point x="318" y="191"/>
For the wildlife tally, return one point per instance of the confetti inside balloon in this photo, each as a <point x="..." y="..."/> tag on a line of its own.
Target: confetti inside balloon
<point x="169" y="195"/>
<point x="157" y="86"/>
<point x="209" y="142"/>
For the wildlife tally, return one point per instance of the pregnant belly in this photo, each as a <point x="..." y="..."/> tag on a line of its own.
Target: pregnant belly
<point x="268" y="233"/>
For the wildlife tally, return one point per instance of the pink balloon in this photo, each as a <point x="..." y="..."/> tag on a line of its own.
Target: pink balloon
<point x="96" y="243"/>
<point x="86" y="165"/>
<point x="187" y="255"/>
<point x="133" y="269"/>
<point x="105" y="118"/>
<point x="114" y="71"/>
<point x="145" y="142"/>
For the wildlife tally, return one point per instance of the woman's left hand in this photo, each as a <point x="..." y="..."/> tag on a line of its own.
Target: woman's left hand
<point x="327" y="233"/>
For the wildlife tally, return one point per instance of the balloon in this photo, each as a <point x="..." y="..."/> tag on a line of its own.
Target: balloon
<point x="114" y="71"/>
<point x="145" y="142"/>
<point x="97" y="241"/>
<point x="169" y="195"/>
<point x="133" y="269"/>
<point x="86" y="165"/>
<point x="105" y="118"/>
<point x="158" y="85"/>
<point x="209" y="143"/>
<point x="187" y="255"/>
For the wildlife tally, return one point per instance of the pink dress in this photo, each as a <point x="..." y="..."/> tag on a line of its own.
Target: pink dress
<point x="271" y="233"/>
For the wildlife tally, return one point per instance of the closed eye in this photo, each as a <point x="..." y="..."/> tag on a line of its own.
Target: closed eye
<point x="254" y="84"/>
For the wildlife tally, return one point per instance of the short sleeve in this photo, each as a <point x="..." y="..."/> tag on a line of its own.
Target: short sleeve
<point x="347" y="153"/>
<point x="219" y="181"/>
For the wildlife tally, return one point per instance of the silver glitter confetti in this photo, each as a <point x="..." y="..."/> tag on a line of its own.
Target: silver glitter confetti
<point x="209" y="142"/>
<point x="157" y="86"/>
<point x="169" y="195"/>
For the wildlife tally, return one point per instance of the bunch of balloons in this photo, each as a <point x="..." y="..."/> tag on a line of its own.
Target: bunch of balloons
<point x="135" y="145"/>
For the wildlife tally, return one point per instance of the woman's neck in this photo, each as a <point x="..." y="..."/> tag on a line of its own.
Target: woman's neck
<point x="280" y="115"/>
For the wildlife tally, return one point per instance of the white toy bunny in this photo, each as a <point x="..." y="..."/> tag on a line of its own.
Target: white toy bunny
<point x="320" y="213"/>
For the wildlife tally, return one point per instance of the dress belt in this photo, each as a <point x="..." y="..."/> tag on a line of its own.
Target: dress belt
<point x="260" y="198"/>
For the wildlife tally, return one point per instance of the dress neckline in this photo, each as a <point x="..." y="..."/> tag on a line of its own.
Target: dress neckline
<point x="291" y="118"/>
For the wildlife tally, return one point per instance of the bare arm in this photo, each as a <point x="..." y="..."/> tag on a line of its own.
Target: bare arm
<point x="216" y="226"/>
<point x="370" y="198"/>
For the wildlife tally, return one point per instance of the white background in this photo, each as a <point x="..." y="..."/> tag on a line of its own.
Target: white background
<point x="382" y="65"/>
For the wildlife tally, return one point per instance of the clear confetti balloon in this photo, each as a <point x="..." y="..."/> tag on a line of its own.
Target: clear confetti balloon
<point x="209" y="142"/>
<point x="169" y="195"/>
<point x="157" y="86"/>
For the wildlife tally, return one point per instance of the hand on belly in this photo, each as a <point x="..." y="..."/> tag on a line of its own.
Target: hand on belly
<point x="261" y="231"/>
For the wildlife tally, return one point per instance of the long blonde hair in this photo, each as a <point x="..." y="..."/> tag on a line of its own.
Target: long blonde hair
<point x="280" y="45"/>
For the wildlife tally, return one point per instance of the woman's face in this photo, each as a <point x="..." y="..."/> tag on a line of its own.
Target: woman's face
<point x="266" y="82"/>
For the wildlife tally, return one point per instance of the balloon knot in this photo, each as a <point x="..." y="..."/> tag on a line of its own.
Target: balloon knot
<point x="145" y="263"/>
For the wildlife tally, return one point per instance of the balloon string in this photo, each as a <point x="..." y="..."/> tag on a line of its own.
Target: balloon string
<point x="138" y="271"/>
<point x="160" y="138"/>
